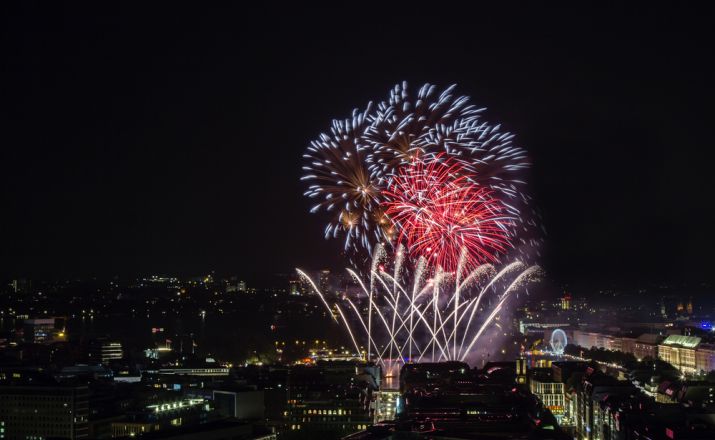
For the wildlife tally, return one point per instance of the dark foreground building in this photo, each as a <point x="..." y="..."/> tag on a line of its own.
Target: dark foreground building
<point x="43" y="411"/>
<point x="327" y="401"/>
<point x="449" y="400"/>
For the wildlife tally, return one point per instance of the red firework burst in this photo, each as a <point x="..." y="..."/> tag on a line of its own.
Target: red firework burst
<point x="440" y="212"/>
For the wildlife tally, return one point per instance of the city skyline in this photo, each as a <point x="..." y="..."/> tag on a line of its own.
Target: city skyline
<point x="356" y="222"/>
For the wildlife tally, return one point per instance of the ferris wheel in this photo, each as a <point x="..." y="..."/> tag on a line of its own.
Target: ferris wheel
<point x="558" y="341"/>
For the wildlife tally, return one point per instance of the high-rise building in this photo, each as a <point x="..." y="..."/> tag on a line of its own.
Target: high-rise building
<point x="324" y="282"/>
<point x="103" y="351"/>
<point x="44" y="411"/>
<point x="242" y="287"/>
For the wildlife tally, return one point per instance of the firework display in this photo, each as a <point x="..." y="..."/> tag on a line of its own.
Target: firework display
<point x="440" y="213"/>
<point x="359" y="172"/>
<point x="424" y="179"/>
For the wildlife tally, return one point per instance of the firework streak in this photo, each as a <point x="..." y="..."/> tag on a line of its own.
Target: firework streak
<point x="411" y="316"/>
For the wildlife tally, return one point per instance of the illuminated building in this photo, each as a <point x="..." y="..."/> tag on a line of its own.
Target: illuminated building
<point x="646" y="346"/>
<point x="588" y="339"/>
<point x="103" y="351"/>
<point x="550" y="392"/>
<point x="216" y="371"/>
<point x="157" y="353"/>
<point x="689" y="307"/>
<point x="161" y="416"/>
<point x="385" y="405"/>
<point x="539" y="327"/>
<point x="39" y="330"/>
<point x="562" y="372"/>
<point x="326" y="400"/>
<point x="215" y="430"/>
<point x="679" y="351"/>
<point x="132" y="429"/>
<point x="705" y="358"/>
<point x="566" y="302"/>
<point x="44" y="411"/>
<point x="680" y="307"/>
<point x="242" y="287"/>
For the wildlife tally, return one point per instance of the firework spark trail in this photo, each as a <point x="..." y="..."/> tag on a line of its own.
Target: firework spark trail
<point x="400" y="256"/>
<point x="347" y="326"/>
<point x="369" y="335"/>
<point x="315" y="288"/>
<point x="395" y="315"/>
<point x="522" y="276"/>
<point x="457" y="289"/>
<point x="499" y="275"/>
<point x="428" y="324"/>
<point x="413" y="309"/>
<point x="418" y="277"/>
<point x="371" y="307"/>
<point x="378" y="254"/>
<point x="419" y="314"/>
<point x="422" y="317"/>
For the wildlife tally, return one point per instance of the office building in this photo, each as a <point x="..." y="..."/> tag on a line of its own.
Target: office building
<point x="549" y="391"/>
<point x="44" y="411"/>
<point x="240" y="404"/>
<point x="103" y="351"/>
<point x="38" y="330"/>
<point x="327" y="400"/>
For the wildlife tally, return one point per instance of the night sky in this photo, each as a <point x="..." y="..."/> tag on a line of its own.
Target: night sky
<point x="138" y="141"/>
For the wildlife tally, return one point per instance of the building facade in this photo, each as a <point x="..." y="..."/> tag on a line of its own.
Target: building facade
<point x="38" y="411"/>
<point x="550" y="392"/>
<point x="679" y="351"/>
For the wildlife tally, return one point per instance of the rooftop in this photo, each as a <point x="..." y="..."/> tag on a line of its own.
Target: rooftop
<point x="683" y="341"/>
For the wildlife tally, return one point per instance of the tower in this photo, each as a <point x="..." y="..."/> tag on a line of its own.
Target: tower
<point x="324" y="281"/>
